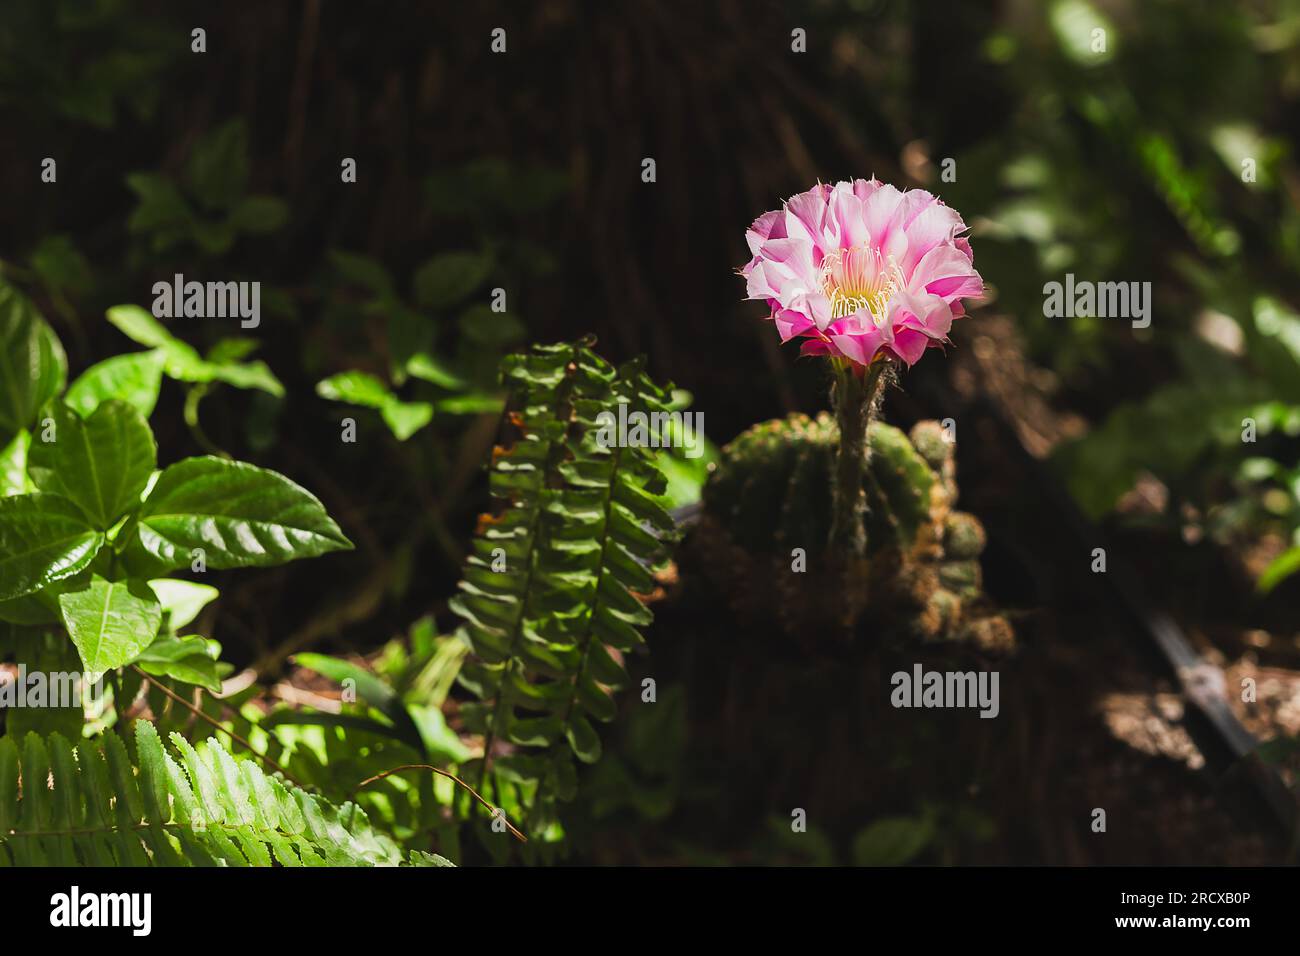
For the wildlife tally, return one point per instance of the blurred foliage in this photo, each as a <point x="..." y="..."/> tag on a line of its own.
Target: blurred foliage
<point x="1168" y="154"/>
<point x="1125" y="158"/>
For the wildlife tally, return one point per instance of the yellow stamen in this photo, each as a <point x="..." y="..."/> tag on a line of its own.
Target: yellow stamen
<point x="860" y="279"/>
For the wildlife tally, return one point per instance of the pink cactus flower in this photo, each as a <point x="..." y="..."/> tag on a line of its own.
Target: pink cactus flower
<point x="862" y="270"/>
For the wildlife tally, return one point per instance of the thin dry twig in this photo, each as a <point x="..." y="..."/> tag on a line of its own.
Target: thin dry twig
<point x="219" y="726"/>
<point x="450" y="776"/>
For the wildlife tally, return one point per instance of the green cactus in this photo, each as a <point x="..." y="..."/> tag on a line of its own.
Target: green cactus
<point x="920" y="577"/>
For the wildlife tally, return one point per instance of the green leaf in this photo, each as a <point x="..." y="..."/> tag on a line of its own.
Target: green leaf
<point x="238" y="514"/>
<point x="57" y="260"/>
<point x="162" y="209"/>
<point x="33" y="367"/>
<point x="101" y="463"/>
<point x="217" y="170"/>
<point x="496" y="330"/>
<point x="450" y="278"/>
<point x="363" y="271"/>
<point x="140" y="326"/>
<point x="892" y="841"/>
<point x="583" y="739"/>
<point x="182" y="600"/>
<point x="355" y="388"/>
<point x="42" y="607"/>
<point x="43" y="538"/>
<point x="255" y="374"/>
<point x="29" y="610"/>
<point x="543" y="625"/>
<point x="440" y="741"/>
<point x="186" y="659"/>
<point x="234" y="348"/>
<point x="430" y="368"/>
<point x="259" y="214"/>
<point x="217" y="810"/>
<point x="134" y="378"/>
<point x="110" y="622"/>
<point x="404" y="419"/>
<point x="13" y="465"/>
<point x="47" y="651"/>
<point x="371" y="690"/>
<point x="1283" y="566"/>
<point x="181" y="361"/>
<point x="475" y="403"/>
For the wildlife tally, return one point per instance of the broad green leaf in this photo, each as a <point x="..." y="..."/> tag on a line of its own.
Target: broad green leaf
<point x="29" y="610"/>
<point x="440" y="741"/>
<point x="140" y="326"/>
<point x="404" y="419"/>
<point x="292" y="717"/>
<point x="187" y="659"/>
<point x="355" y="388"/>
<point x="238" y="514"/>
<point x="110" y="622"/>
<point x="255" y="374"/>
<point x="450" y="278"/>
<point x="162" y="208"/>
<point x="101" y="463"/>
<point x="371" y="690"/>
<point x="430" y="368"/>
<point x="46" y="651"/>
<point x="134" y="378"/>
<point x="686" y="477"/>
<point x="182" y="600"/>
<point x="58" y="261"/>
<point x="42" y="607"/>
<point x="234" y="348"/>
<point x="43" y="538"/>
<point x="181" y="361"/>
<point x="225" y="362"/>
<point x="33" y="368"/>
<point x="13" y="465"/>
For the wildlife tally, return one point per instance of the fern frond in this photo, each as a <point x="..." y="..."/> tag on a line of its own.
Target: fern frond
<point x="549" y="592"/>
<point x="94" y="806"/>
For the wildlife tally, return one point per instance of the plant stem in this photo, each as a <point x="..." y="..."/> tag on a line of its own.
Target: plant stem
<point x="197" y="712"/>
<point x="856" y="397"/>
<point x="450" y="776"/>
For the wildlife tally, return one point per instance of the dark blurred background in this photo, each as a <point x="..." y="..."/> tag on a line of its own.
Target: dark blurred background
<point x="1165" y="151"/>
